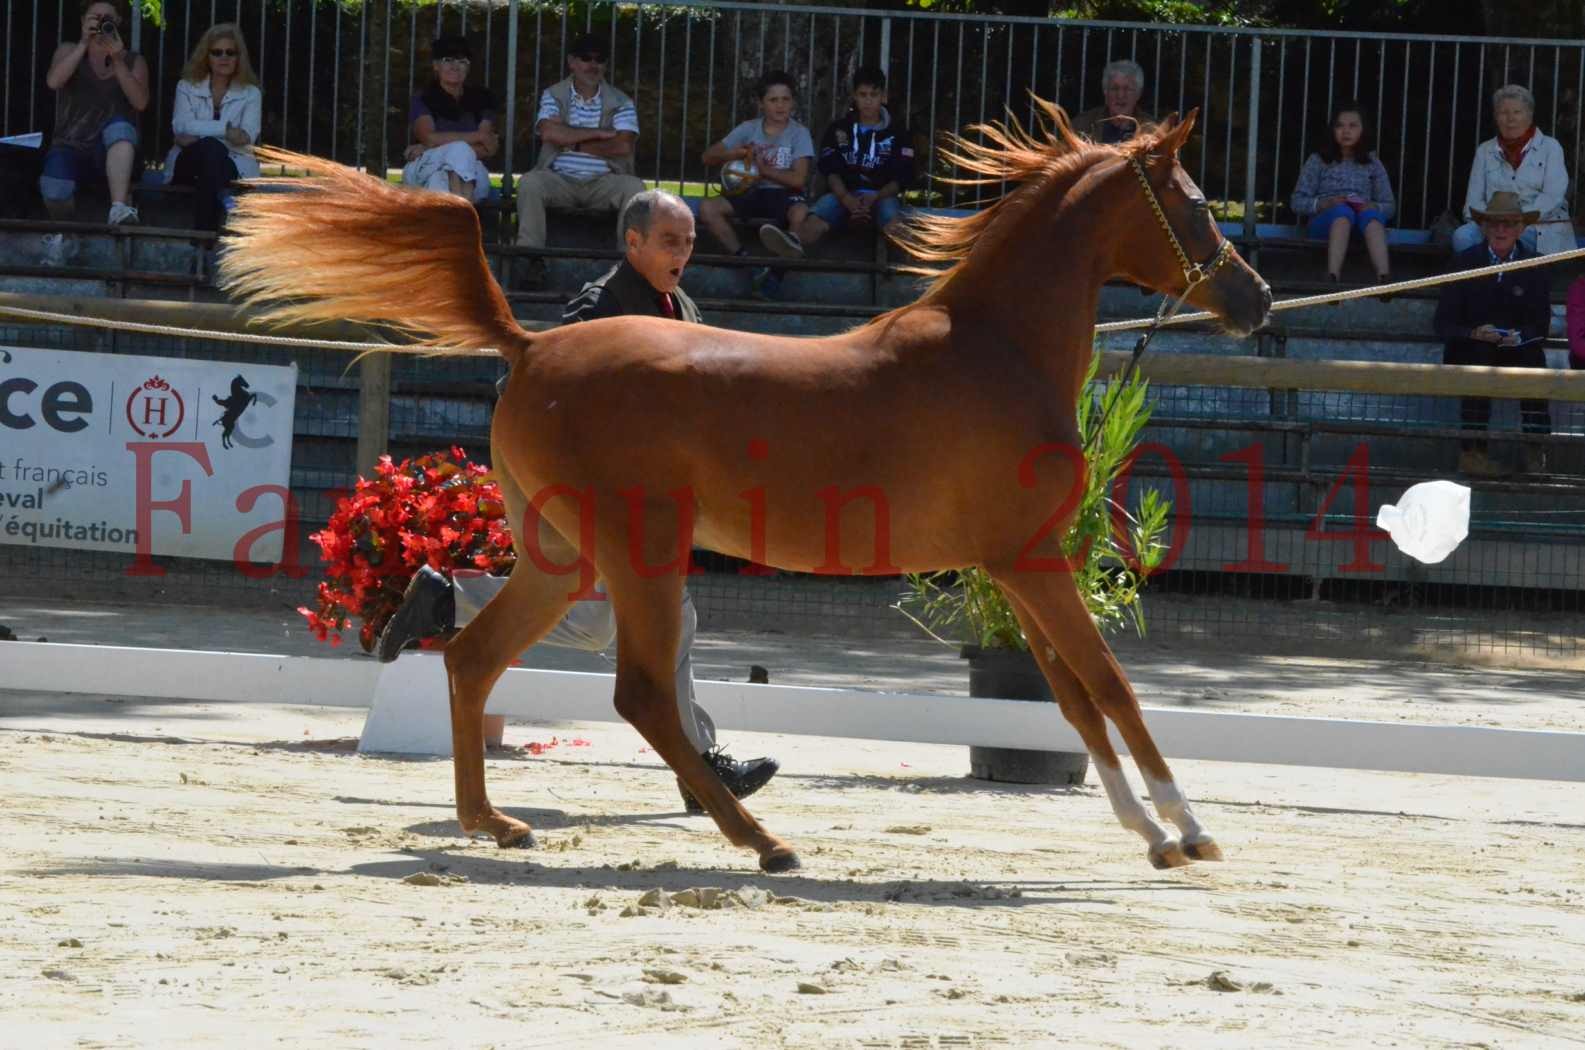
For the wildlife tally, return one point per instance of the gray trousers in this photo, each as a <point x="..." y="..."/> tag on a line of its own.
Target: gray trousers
<point x="591" y="626"/>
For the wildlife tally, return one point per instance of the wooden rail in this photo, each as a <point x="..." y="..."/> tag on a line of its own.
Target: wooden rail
<point x="1365" y="377"/>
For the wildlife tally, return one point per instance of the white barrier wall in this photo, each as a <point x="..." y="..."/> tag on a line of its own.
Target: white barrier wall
<point x="409" y="713"/>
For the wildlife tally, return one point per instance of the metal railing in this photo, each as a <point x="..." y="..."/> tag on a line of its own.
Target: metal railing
<point x="1264" y="95"/>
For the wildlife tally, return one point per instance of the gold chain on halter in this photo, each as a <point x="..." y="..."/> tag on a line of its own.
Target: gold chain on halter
<point x="1193" y="273"/>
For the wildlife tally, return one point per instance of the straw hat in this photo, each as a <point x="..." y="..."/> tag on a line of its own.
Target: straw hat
<point x="1505" y="205"/>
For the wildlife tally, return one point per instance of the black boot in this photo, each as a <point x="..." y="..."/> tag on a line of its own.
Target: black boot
<point x="428" y="608"/>
<point x="740" y="778"/>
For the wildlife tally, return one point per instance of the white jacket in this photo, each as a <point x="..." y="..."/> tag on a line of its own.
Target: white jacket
<point x="1541" y="182"/>
<point x="194" y="114"/>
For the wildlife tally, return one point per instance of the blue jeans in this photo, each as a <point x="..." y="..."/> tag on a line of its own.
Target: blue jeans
<point x="1470" y="234"/>
<point x="1321" y="225"/>
<point x="836" y="216"/>
<point x="66" y="166"/>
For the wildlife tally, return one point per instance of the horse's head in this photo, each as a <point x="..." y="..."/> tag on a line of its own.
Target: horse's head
<point x="1168" y="240"/>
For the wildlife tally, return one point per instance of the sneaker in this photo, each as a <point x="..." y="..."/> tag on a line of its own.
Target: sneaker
<point x="766" y="283"/>
<point x="120" y="213"/>
<point x="428" y="609"/>
<point x="1385" y="297"/>
<point x="778" y="241"/>
<point x="740" y="778"/>
<point x="58" y="251"/>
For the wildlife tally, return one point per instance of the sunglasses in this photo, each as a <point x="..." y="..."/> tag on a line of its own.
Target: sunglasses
<point x="597" y="59"/>
<point x="222" y="52"/>
<point x="456" y="63"/>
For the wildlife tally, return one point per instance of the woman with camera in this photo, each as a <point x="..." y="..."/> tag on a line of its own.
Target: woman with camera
<point x="100" y="88"/>
<point x="215" y="122"/>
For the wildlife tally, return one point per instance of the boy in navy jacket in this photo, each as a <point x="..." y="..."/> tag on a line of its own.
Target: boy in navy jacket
<point x="867" y="159"/>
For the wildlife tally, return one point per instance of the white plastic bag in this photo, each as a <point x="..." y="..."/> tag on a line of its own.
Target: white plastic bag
<point x="1429" y="521"/>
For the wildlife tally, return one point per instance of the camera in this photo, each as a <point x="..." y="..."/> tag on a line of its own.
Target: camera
<point x="108" y="27"/>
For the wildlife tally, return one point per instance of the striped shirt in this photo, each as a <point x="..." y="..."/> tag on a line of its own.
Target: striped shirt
<point x="585" y="114"/>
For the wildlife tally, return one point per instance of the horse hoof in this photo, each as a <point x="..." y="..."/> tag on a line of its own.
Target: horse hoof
<point x="776" y="863"/>
<point x="1203" y="850"/>
<point x="1169" y="855"/>
<point x="525" y="840"/>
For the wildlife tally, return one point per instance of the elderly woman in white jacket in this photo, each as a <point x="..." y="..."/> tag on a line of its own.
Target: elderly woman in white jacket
<point x="216" y="122"/>
<point x="1522" y="160"/>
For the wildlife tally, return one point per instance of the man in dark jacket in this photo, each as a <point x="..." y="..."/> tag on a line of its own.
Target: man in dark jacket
<point x="867" y="159"/>
<point x="658" y="230"/>
<point x="1497" y="322"/>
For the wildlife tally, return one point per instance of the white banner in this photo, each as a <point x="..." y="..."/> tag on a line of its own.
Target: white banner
<point x="147" y="455"/>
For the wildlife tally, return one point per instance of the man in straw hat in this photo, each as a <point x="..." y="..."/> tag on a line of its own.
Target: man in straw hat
<point x="1497" y="321"/>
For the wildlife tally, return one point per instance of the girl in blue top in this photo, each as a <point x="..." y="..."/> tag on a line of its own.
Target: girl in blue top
<point x="1344" y="187"/>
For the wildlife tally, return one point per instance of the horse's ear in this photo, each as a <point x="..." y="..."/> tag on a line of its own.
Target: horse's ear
<point x="1177" y="133"/>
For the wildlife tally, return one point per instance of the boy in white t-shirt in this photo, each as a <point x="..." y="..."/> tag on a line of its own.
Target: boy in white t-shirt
<point x="783" y="151"/>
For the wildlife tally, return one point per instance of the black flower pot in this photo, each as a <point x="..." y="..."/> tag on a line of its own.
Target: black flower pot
<point x="1012" y="674"/>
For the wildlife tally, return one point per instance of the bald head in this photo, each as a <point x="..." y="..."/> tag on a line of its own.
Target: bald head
<point x="658" y="234"/>
<point x="642" y="209"/>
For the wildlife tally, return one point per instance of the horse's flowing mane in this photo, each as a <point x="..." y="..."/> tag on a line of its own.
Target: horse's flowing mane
<point x="1005" y="151"/>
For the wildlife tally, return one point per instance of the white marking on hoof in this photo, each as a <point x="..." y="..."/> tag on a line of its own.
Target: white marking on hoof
<point x="1131" y="814"/>
<point x="1171" y="805"/>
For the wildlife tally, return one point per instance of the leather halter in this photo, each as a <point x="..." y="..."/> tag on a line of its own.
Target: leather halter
<point x="1193" y="273"/>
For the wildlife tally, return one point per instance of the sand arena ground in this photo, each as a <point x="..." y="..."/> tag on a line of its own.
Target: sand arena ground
<point x="204" y="874"/>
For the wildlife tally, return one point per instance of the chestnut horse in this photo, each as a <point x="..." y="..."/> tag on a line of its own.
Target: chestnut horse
<point x="620" y="443"/>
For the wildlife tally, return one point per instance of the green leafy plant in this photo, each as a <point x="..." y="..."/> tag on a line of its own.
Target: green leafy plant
<point x="1110" y="569"/>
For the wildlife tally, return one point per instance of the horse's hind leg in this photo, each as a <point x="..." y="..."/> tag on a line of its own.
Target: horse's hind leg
<point x="531" y="603"/>
<point x="1073" y="653"/>
<point x="648" y="629"/>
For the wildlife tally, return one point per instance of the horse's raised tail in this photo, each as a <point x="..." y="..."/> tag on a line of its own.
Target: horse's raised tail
<point x="347" y="247"/>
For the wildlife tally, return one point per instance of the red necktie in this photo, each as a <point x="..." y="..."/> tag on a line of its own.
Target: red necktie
<point x="666" y="306"/>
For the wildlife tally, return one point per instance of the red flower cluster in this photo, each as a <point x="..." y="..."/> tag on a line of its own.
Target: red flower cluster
<point x="437" y="510"/>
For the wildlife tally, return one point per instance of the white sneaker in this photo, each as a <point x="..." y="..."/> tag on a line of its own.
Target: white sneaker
<point x="782" y="243"/>
<point x="58" y="251"/>
<point x="120" y="213"/>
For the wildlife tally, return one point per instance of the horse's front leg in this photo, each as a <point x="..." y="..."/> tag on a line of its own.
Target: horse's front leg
<point x="1084" y="674"/>
<point x="1163" y="850"/>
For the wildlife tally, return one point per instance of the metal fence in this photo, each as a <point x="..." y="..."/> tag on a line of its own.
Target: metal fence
<point x="1274" y="493"/>
<point x="337" y="77"/>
